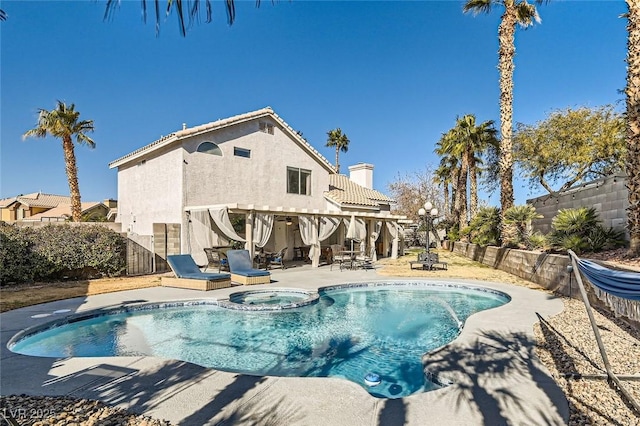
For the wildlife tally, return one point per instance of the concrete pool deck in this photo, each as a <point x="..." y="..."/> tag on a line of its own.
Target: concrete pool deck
<point x="497" y="377"/>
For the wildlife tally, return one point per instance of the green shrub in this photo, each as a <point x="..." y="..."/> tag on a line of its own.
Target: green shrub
<point x="60" y="251"/>
<point x="538" y="241"/>
<point x="580" y="230"/>
<point x="520" y="217"/>
<point x="484" y="228"/>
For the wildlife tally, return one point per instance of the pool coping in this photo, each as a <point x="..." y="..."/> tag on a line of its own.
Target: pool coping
<point x="206" y="395"/>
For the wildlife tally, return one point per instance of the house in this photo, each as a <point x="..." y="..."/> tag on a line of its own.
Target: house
<point x="255" y="170"/>
<point x="39" y="207"/>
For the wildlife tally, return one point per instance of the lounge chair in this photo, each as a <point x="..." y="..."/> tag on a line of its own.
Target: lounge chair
<point x="188" y="275"/>
<point x="242" y="270"/>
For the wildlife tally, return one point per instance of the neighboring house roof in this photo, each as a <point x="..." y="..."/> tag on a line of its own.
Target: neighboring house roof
<point x="64" y="210"/>
<point x="36" y="199"/>
<point x="343" y="191"/>
<point x="220" y="124"/>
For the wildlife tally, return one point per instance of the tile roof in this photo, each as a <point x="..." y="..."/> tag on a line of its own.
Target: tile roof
<point x="36" y="199"/>
<point x="63" y="210"/>
<point x="219" y="124"/>
<point x="342" y="190"/>
<point x="43" y="200"/>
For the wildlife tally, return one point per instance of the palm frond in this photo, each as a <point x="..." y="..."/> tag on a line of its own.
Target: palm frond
<point x="478" y="6"/>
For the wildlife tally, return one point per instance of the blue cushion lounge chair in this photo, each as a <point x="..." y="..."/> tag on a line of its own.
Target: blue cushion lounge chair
<point x="188" y="275"/>
<point x="242" y="270"/>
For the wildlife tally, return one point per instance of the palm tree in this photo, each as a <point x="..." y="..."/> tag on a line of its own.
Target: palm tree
<point x="338" y="140"/>
<point x="184" y="9"/>
<point x="63" y="123"/>
<point x="452" y="151"/>
<point x="516" y="12"/>
<point x="475" y="140"/>
<point x="633" y="125"/>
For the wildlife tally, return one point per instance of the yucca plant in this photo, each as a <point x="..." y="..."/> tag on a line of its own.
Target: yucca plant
<point x="575" y="221"/>
<point x="580" y="230"/>
<point x="519" y="218"/>
<point x="484" y="228"/>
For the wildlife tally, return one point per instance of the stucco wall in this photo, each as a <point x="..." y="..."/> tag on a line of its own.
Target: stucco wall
<point x="260" y="179"/>
<point x="150" y="191"/>
<point x="608" y="196"/>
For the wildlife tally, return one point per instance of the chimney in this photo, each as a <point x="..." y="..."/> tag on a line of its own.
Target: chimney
<point x="184" y="126"/>
<point x="362" y="174"/>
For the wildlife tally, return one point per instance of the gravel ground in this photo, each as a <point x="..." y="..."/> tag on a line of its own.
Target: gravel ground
<point x="63" y="411"/>
<point x="566" y="345"/>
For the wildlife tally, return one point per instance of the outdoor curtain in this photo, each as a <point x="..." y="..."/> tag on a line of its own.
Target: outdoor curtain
<point x="201" y="235"/>
<point x="309" y="235"/>
<point x="328" y="226"/>
<point x="394" y="230"/>
<point x="262" y="227"/>
<point x="373" y="237"/>
<point x="221" y="219"/>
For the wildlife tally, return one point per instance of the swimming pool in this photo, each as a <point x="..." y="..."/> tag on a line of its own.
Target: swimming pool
<point x="351" y="332"/>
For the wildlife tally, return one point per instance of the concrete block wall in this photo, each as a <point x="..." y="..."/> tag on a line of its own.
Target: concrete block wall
<point x="166" y="241"/>
<point x="549" y="271"/>
<point x="609" y="196"/>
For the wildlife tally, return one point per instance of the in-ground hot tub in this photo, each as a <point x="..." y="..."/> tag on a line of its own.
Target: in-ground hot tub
<point x="270" y="299"/>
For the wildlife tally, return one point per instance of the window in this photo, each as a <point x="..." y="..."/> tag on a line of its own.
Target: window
<point x="266" y="127"/>
<point x="209" y="148"/>
<point x="298" y="181"/>
<point x="241" y="152"/>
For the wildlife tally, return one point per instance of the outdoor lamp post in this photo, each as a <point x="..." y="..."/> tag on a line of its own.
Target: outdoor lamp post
<point x="428" y="212"/>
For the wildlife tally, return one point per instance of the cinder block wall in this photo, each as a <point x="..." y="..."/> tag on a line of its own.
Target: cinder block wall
<point x="609" y="196"/>
<point x="548" y="271"/>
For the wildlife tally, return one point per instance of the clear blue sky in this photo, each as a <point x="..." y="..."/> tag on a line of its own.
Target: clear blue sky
<point x="393" y="75"/>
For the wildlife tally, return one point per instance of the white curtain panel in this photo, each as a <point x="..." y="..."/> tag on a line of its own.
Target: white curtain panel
<point x="394" y="230"/>
<point x="309" y="235"/>
<point x="373" y="237"/>
<point x="221" y="219"/>
<point x="201" y="235"/>
<point x="328" y="226"/>
<point x="262" y="227"/>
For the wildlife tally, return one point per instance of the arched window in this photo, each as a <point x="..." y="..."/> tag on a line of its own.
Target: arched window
<point x="209" y="148"/>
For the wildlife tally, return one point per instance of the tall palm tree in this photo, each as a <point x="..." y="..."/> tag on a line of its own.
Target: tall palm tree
<point x="450" y="147"/>
<point x="443" y="176"/>
<point x="338" y="140"/>
<point x="516" y="12"/>
<point x="63" y="123"/>
<point x="475" y="139"/>
<point x="633" y="125"/>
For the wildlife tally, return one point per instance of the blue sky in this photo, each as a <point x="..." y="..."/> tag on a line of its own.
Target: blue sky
<point x="393" y="75"/>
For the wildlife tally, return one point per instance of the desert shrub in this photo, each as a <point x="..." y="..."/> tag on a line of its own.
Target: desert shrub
<point x="16" y="263"/>
<point x="60" y="251"/>
<point x="520" y="217"/>
<point x="484" y="228"/>
<point x="580" y="230"/>
<point x="538" y="241"/>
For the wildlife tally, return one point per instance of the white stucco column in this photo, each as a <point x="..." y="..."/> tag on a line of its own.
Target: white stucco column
<point x="249" y="233"/>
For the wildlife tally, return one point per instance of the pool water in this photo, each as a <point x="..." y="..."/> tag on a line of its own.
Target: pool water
<point x="269" y="297"/>
<point x="350" y="333"/>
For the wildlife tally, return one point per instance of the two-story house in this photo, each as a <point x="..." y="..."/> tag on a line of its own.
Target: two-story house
<point x="256" y="166"/>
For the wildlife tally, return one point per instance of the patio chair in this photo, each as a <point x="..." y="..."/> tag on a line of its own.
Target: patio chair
<point x="338" y="257"/>
<point x="242" y="270"/>
<point x="278" y="258"/>
<point x="188" y="275"/>
<point x="217" y="259"/>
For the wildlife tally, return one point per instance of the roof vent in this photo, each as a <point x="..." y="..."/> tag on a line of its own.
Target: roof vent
<point x="184" y="126"/>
